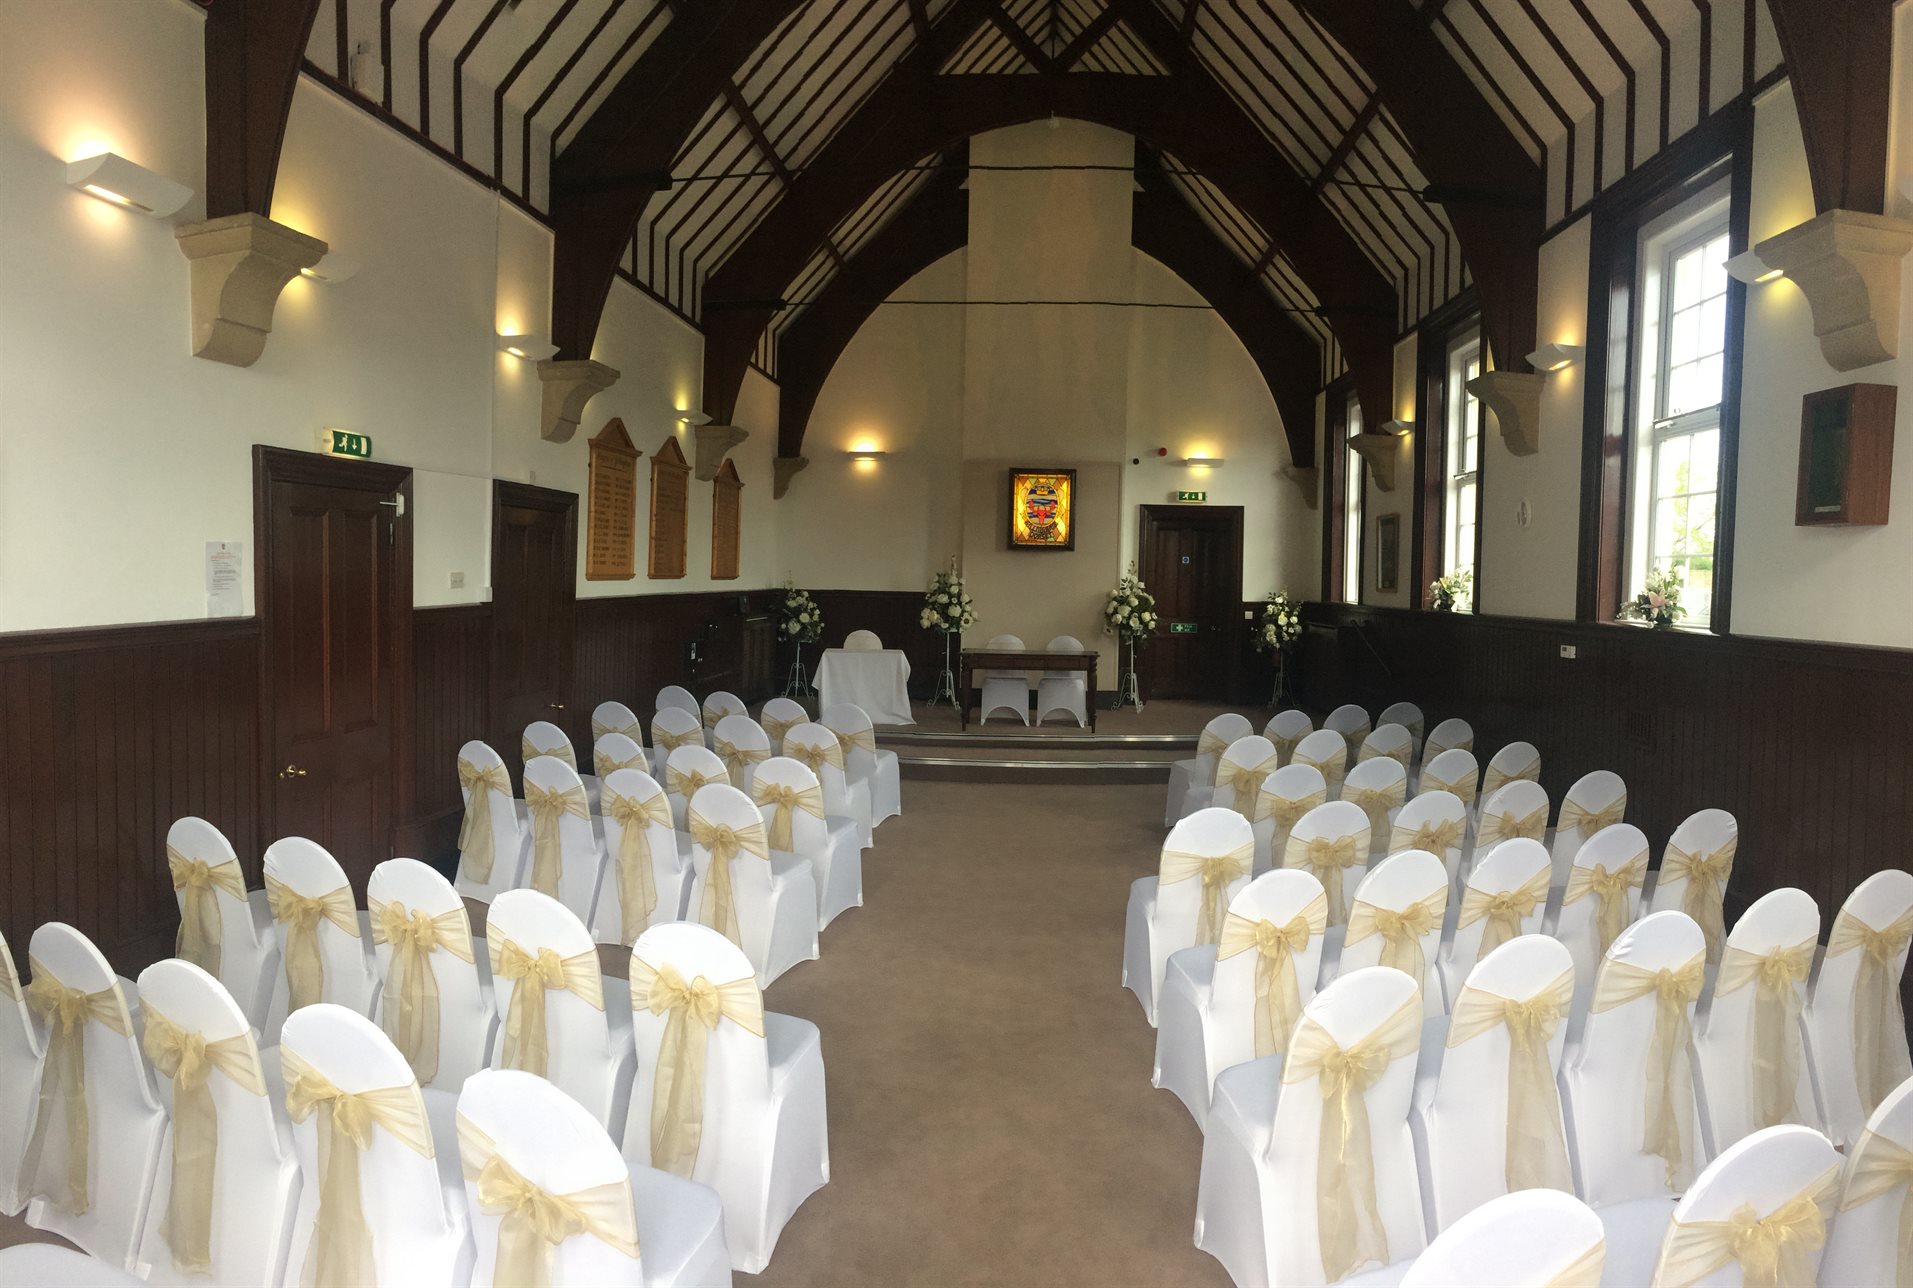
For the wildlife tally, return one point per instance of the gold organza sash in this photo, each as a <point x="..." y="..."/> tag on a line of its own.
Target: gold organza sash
<point x="1211" y="744"/>
<point x="305" y="967"/>
<point x="201" y="928"/>
<point x="677" y="1090"/>
<point x="548" y="807"/>
<point x="816" y="755"/>
<point x="861" y="740"/>
<point x="1436" y="747"/>
<point x="1217" y="871"/>
<point x="1774" y="1251"/>
<point x="711" y="715"/>
<point x="1436" y="835"/>
<point x="1348" y="1220"/>
<point x="9" y="983"/>
<point x="1278" y="994"/>
<point x="67" y="1012"/>
<point x="604" y="766"/>
<point x="1706" y="876"/>
<point x="1330" y="766"/>
<point x="1610" y="890"/>
<point x="784" y="800"/>
<point x="1377" y="801"/>
<point x="1779" y="978"/>
<point x="532" y="1222"/>
<point x="1354" y="738"/>
<point x="1401" y="929"/>
<point x="1504" y="909"/>
<point x="1398" y="753"/>
<point x="408" y="1012"/>
<point x="687" y="782"/>
<point x="776" y="729"/>
<point x="528" y="750"/>
<point x="1245" y="781"/>
<point x="1878" y="1166"/>
<point x="1496" y="777"/>
<point x="1669" y="1089"/>
<point x="1506" y="825"/>
<point x="341" y="1249"/>
<point x="1577" y="818"/>
<point x="738" y="760"/>
<point x="718" y="910"/>
<point x="1879" y="1026"/>
<point x="599" y="729"/>
<point x="1464" y="788"/>
<point x="1584" y="1271"/>
<point x="476" y="842"/>
<point x="637" y="881"/>
<point x="1328" y="858"/>
<point x="189" y="1059"/>
<point x="668" y="742"/>
<point x="527" y="1039"/>
<point x="1537" y="1143"/>
<point x="1286" y="813"/>
<point x="1285" y="747"/>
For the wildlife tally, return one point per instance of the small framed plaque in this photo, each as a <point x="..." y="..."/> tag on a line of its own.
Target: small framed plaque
<point x="1388" y="551"/>
<point x="670" y="510"/>
<point x="1846" y="455"/>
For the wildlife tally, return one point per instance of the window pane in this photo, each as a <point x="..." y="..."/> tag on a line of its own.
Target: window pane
<point x="1688" y="271"/>
<point x="1705" y="448"/>
<point x="1683" y="337"/>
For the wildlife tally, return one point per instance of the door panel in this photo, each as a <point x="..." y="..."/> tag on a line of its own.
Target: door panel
<point x="534" y="611"/>
<point x="1191" y="560"/>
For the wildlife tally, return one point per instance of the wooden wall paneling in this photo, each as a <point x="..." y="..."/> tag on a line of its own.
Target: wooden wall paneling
<point x="451" y="650"/>
<point x="892" y="614"/>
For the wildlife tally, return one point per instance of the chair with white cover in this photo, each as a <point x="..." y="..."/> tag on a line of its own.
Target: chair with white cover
<point x="741" y="743"/>
<point x="727" y="1094"/>
<point x="543" y="738"/>
<point x="1285" y="729"/>
<point x="491" y="840"/>
<point x="223" y="928"/>
<point x="89" y="1161"/>
<point x="322" y="944"/>
<point x="51" y="1265"/>
<point x="1452" y="734"/>
<point x="1379" y="788"/>
<point x="1352" y="722"/>
<point x="818" y="749"/>
<point x="1876" y="1201"/>
<point x="1516" y="810"/>
<point x="435" y="1000"/>
<point x="1517" y="761"/>
<point x="688" y="771"/>
<point x="20" y="1054"/>
<point x="1064" y="691"/>
<point x="1391" y="740"/>
<point x="1530" y="1237"/>
<point x="1435" y="821"/>
<point x="1190" y="780"/>
<point x="1602" y="898"/>
<point x="1595" y="801"/>
<point x="864" y="761"/>
<point x="1327" y="751"/>
<point x="1332" y="842"/>
<point x="1207" y="858"/>
<point x="672" y="728"/>
<point x="1694" y="871"/>
<point x="1240" y="773"/>
<point x="615" y="751"/>
<point x="227" y="1181"/>
<point x="1493" y="1125"/>
<point x="1628" y="1083"/>
<point x="1452" y="770"/>
<point x="1395" y="920"/>
<point x="863" y="642"/>
<point x="791" y="799"/>
<point x="615" y="717"/>
<point x="764" y="902"/>
<point x="1286" y="795"/>
<point x="1750" y="1060"/>
<point x="718" y="705"/>
<point x="1408" y="716"/>
<point x="1313" y="1184"/>
<point x="1506" y="896"/>
<point x="778" y="717"/>
<point x="678" y="697"/>
<point x="646" y="876"/>
<point x="363" y="1132"/>
<point x="1856" y="1032"/>
<point x="566" y="851"/>
<point x="1228" y="1003"/>
<point x="527" y="1149"/>
<point x="1005" y="690"/>
<point x="556" y="1018"/>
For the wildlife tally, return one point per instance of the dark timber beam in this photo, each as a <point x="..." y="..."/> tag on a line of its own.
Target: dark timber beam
<point x="253" y="52"/>
<point x="1839" y="56"/>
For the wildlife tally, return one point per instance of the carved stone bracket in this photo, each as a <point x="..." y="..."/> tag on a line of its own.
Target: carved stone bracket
<point x="1380" y="451"/>
<point x="1515" y="399"/>
<point x="240" y="264"/>
<point x="713" y="441"/>
<point x="569" y="385"/>
<point x="1847" y="264"/>
<point x="1307" y="480"/>
<point x="783" y="470"/>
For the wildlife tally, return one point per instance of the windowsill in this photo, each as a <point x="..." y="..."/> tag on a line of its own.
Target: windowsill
<point x="1676" y="629"/>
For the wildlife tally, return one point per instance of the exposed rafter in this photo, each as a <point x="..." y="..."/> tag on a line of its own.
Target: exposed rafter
<point x="1839" y="54"/>
<point x="253" y="49"/>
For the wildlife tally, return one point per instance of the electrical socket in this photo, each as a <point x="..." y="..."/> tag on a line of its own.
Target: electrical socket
<point x="1567" y="651"/>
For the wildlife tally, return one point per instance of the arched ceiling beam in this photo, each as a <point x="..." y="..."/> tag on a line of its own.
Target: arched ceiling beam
<point x="253" y="50"/>
<point x="1839" y="55"/>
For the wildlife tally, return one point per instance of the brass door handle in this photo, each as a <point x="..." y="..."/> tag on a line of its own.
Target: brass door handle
<point x="555" y="706"/>
<point x="292" y="771"/>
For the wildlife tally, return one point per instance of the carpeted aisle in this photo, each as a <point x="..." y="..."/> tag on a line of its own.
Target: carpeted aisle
<point x="991" y="1118"/>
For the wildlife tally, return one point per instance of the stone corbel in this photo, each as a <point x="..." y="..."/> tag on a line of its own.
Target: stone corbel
<point x="1380" y="451"/>
<point x="783" y="470"/>
<point x="569" y="385"/>
<point x="1515" y="399"/>
<point x="1307" y="480"/>
<point x="240" y="264"/>
<point x="1847" y="264"/>
<point x="713" y="442"/>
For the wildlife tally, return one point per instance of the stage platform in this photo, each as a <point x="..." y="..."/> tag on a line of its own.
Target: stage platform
<point x="1128" y="747"/>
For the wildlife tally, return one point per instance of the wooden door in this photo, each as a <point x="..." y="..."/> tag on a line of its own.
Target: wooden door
<point x="1191" y="559"/>
<point x="534" y="612"/>
<point x="334" y="597"/>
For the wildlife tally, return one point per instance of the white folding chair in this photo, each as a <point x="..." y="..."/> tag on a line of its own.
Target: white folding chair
<point x="675" y="695"/>
<point x="818" y="749"/>
<point x="20" y="1055"/>
<point x="764" y="902"/>
<point x="791" y="800"/>
<point x="1379" y="788"/>
<point x="556" y="1018"/>
<point x="563" y="850"/>
<point x="1064" y="691"/>
<point x="864" y="761"/>
<point x="1529" y="1237"/>
<point x="688" y="771"/>
<point x="94" y="1093"/>
<point x="519" y="1135"/>
<point x="1395" y="920"/>
<point x="1352" y="723"/>
<point x="741" y="743"/>
<point x="1228" y="1003"/>
<point x="1435" y="821"/>
<point x="1492" y="1123"/>
<point x="227" y="1182"/>
<point x="1856" y="1033"/>
<point x="646" y="875"/>
<point x="1453" y="770"/>
<point x="1275" y="1167"/>
<point x="1408" y="716"/>
<point x="491" y="841"/>
<point x="1240" y="773"/>
<point x="615" y="751"/>
<point x="673" y="728"/>
<point x="1516" y="761"/>
<point x="223" y="928"/>
<point x="1391" y="740"/>
<point x="1190" y="780"/>
<point x="716" y="706"/>
<point x="1602" y="898"/>
<point x="1332" y="842"/>
<point x="1516" y="810"/>
<point x="755" y="1128"/>
<point x="1285" y="729"/>
<point x="1206" y="859"/>
<point x="1506" y="896"/>
<point x="863" y="642"/>
<point x="1326" y="751"/>
<point x="1005" y="690"/>
<point x="543" y="738"/>
<point x="1595" y="801"/>
<point x="435" y="996"/>
<point x="778" y="717"/>
<point x="1286" y="795"/>
<point x="1694" y="871"/>
<point x="400" y="1143"/>
<point x="322" y="936"/>
<point x="615" y="717"/>
<point x="1452" y="734"/>
<point x="1864" y="1246"/>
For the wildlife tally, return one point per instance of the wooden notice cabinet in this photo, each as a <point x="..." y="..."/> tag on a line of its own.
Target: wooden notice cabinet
<point x="1846" y="455"/>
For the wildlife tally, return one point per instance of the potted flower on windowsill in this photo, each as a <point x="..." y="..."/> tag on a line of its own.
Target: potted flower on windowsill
<point x="1450" y="593"/>
<point x="1658" y="604"/>
<point x="1277" y="628"/>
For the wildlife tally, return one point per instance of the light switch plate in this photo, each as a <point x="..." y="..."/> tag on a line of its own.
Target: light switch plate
<point x="1567" y="651"/>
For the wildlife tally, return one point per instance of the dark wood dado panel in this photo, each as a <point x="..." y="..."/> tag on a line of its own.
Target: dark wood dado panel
<point x="106" y="737"/>
<point x="632" y="646"/>
<point x="451" y="668"/>
<point x="1809" y="745"/>
<point x="892" y="614"/>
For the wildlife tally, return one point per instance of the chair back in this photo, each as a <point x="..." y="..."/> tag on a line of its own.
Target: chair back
<point x="1214" y="740"/>
<point x="578" y="857"/>
<point x="1529" y="1237"/>
<point x="741" y="743"/>
<point x="615" y="717"/>
<point x="855" y="734"/>
<point x="1435" y="821"/>
<point x="609" y="924"/>
<point x="746" y="878"/>
<point x="675" y="696"/>
<point x="440" y="1023"/>
<point x="810" y="833"/>
<point x="1516" y="760"/>
<point x="1379" y="787"/>
<point x="671" y="729"/>
<point x="1595" y="801"/>
<point x="1452" y="770"/>
<point x="1285" y="729"/>
<point x="1515" y="809"/>
<point x="1854" y="1021"/>
<point x="1505" y="896"/>
<point x="1405" y="714"/>
<point x="20" y="1069"/>
<point x="523" y="924"/>
<point x="721" y="704"/>
<point x="1005" y="644"/>
<point x="1780" y="1175"/>
<point x="1352" y="723"/>
<point x="1332" y="842"/>
<point x="1695" y="868"/>
<point x="543" y="738"/>
<point x="817" y="748"/>
<point x="491" y="840"/>
<point x="615" y="751"/>
<point x="1240" y="772"/>
<point x="234" y="938"/>
<point x="1193" y="898"/>
<point x="1243" y="1031"/>
<point x="778" y="717"/>
<point x="687" y="771"/>
<point x="1395" y="920"/>
<point x="1327" y="751"/>
<point x="1452" y="734"/>
<point x="1065" y="644"/>
<point x="1601" y="899"/>
<point x="1747" y="1040"/>
<point x="863" y="642"/>
<point x="1864" y="1246"/>
<point x="304" y="869"/>
<point x="1391" y="740"/>
<point x="1286" y="795"/>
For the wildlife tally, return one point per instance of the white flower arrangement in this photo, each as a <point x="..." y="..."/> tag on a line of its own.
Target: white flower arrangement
<point x="1279" y="624"/>
<point x="1130" y="611"/>
<point x="1659" y="602"/>
<point x="947" y="607"/>
<point x="1452" y="591"/>
<point x="801" y="621"/>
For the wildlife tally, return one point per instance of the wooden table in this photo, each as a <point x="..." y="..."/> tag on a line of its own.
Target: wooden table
<point x="972" y="660"/>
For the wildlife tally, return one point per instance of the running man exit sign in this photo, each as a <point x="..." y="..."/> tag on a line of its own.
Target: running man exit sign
<point x="1196" y="497"/>
<point x="343" y="442"/>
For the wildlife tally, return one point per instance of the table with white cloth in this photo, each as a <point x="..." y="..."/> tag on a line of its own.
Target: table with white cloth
<point x="869" y="678"/>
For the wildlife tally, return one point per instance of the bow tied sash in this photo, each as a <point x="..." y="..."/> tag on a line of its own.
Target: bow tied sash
<point x="201" y="927"/>
<point x="1401" y="929"/>
<point x="669" y="742"/>
<point x="725" y="843"/>
<point x="1218" y="872"/>
<point x="1611" y="890"/>
<point x="1779" y="979"/>
<point x="637" y="881"/>
<point x="527" y="1038"/>
<point x="1330" y="766"/>
<point x="1398" y="753"/>
<point x="784" y="800"/>
<point x="858" y="740"/>
<point x="1286" y="812"/>
<point x="1504" y="909"/>
<point x="477" y="846"/>
<point x="685" y="783"/>
<point x="1669" y="1088"/>
<point x="775" y="729"/>
<point x="532" y="1221"/>
<point x="1327" y="858"/>
<point x="1879" y="1056"/>
<point x="1285" y="747"/>
<point x="1496" y="777"/>
<point x="600" y="728"/>
<point x="409" y="1011"/>
<point x="1506" y="825"/>
<point x="1437" y="836"/>
<point x="188" y="1059"/>
<point x="603" y="765"/>
<point x="1211" y="746"/>
<point x="1377" y="801"/>
<point x="1278" y="994"/>
<point x="815" y="756"/>
<point x="529" y="751"/>
<point x="693" y="1009"/>
<point x="1536" y="1150"/>
<point x="1878" y="1166"/>
<point x="1463" y="788"/>
<point x="1773" y="1251"/>
<point x="1576" y="817"/>
<point x="548" y="807"/>
<point x="1706" y="876"/>
<point x="1244" y="781"/>
<point x="67" y="1012"/>
<point x="738" y="760"/>
<point x="301" y="915"/>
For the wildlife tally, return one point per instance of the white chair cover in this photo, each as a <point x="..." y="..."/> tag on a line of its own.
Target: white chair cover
<point x="1506" y="896"/>
<point x="20" y="1054"/>
<point x="552" y="795"/>
<point x="53" y="1265"/>
<point x="1391" y="740"/>
<point x="844" y="797"/>
<point x="1199" y="771"/>
<point x="863" y="642"/>
<point x="1332" y="842"/>
<point x="778" y="717"/>
<point x="720" y="704"/>
<point x="1407" y="715"/>
<point x="1240" y="773"/>
<point x="864" y="761"/>
<point x="1528" y="1239"/>
<point x="491" y="838"/>
<point x="1435" y="821"/>
<point x="675" y="695"/>
<point x="1872" y="1238"/>
<point x="615" y="717"/>
<point x="671" y="728"/>
<point x="1286" y="795"/>
<point x="89" y="1162"/>
<point x="1005" y="690"/>
<point x="1452" y="734"/>
<point x="1285" y="729"/>
<point x="1602" y="898"/>
<point x="687" y="771"/>
<point x="741" y="743"/>
<point x="1395" y="920"/>
<point x="1206" y="859"/>
<point x="764" y="1140"/>
<point x="420" y="931"/>
<point x="1453" y="770"/>
<point x="1514" y="810"/>
<point x="828" y="844"/>
<point x="774" y="896"/>
<point x="639" y="835"/>
<point x="1064" y="691"/>
<point x="1855" y="1029"/>
<point x="615" y="751"/>
<point x="1517" y="760"/>
<point x="1595" y="801"/>
<point x="303" y="871"/>
<point x="1694" y="870"/>
<point x="244" y="953"/>
<point x="1327" y="751"/>
<point x="1380" y="787"/>
<point x="1352" y="723"/>
<point x="542" y="738"/>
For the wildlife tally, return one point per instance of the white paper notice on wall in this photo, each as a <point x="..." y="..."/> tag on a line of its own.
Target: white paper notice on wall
<point x="225" y="591"/>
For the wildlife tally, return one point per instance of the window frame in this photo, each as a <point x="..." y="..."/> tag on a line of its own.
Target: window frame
<point x="1343" y="469"/>
<point x="1439" y="337"/>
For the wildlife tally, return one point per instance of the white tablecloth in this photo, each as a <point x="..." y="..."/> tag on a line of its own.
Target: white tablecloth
<point x="869" y="678"/>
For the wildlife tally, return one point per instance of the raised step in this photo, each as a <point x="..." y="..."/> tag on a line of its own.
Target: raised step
<point x="1097" y="771"/>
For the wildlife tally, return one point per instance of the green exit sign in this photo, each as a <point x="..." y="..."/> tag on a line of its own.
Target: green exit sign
<point x="1197" y="497"/>
<point x="343" y="442"/>
<point x="1182" y="628"/>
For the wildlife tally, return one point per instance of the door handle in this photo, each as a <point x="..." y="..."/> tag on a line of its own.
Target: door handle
<point x="292" y="771"/>
<point x="554" y="706"/>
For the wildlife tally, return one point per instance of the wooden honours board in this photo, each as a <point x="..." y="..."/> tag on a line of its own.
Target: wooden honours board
<point x="611" y="508"/>
<point x="670" y="510"/>
<point x="727" y="520"/>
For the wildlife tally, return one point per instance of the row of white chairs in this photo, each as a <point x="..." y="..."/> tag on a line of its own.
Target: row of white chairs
<point x="1057" y="692"/>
